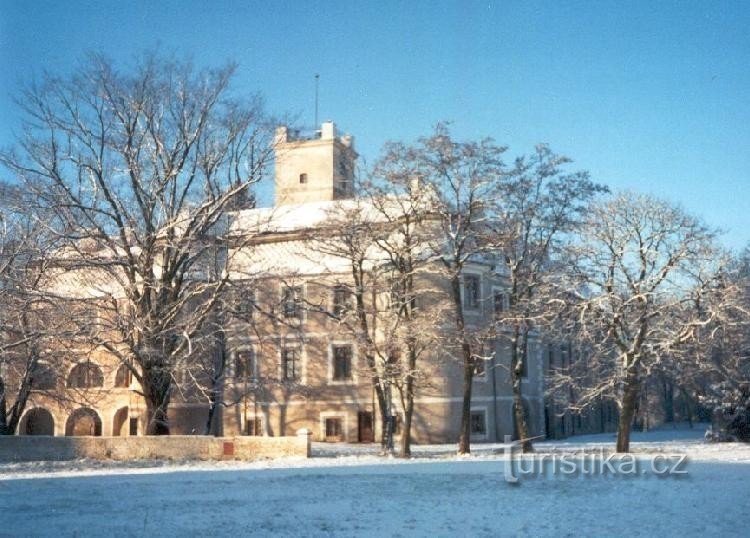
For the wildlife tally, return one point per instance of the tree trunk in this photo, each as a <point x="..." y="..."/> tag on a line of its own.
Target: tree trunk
<point x="517" y="362"/>
<point x="158" y="423"/>
<point x="386" y="441"/>
<point x="629" y="400"/>
<point x="11" y="418"/>
<point x="214" y="393"/>
<point x="464" y="435"/>
<point x="157" y="386"/>
<point x="386" y="430"/>
<point x="406" y="430"/>
<point x="3" y="410"/>
<point x="212" y="405"/>
<point x="688" y="410"/>
<point x="520" y="418"/>
<point x="385" y="418"/>
<point x="408" y="404"/>
<point x="668" y="401"/>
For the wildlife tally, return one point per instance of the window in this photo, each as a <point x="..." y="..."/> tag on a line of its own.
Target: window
<point x="343" y="169"/>
<point x="486" y="353"/>
<point x="123" y="377"/>
<point x="291" y="302"/>
<point x="342" y="185"/>
<point x="244" y="365"/>
<point x="85" y="375"/>
<point x="478" y="423"/>
<point x="341" y="301"/>
<point x="302" y="179"/>
<point x="42" y="377"/>
<point x="254" y="426"/>
<point x="245" y="303"/>
<point x="471" y="292"/>
<point x="87" y="320"/>
<point x="334" y="429"/>
<point x="342" y="363"/>
<point x="499" y="304"/>
<point x="290" y="364"/>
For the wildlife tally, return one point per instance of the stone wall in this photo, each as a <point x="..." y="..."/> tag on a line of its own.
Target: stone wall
<point x="175" y="447"/>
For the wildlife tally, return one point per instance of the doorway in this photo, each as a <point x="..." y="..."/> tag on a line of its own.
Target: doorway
<point x="365" y="430"/>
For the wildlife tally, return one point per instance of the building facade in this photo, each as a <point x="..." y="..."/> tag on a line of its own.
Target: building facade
<point x="302" y="368"/>
<point x="288" y="361"/>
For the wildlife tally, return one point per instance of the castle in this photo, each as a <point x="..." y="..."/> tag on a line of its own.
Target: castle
<point x="290" y="363"/>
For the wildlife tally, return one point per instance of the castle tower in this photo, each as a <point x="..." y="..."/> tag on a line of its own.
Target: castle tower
<point x="315" y="168"/>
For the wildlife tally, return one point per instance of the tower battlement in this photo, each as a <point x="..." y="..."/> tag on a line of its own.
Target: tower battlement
<point x="313" y="166"/>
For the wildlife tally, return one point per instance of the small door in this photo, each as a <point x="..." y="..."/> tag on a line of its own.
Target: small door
<point x="365" y="430"/>
<point x="133" y="426"/>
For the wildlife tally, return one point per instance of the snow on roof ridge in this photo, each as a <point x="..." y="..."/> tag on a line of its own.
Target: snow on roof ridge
<point x="293" y="217"/>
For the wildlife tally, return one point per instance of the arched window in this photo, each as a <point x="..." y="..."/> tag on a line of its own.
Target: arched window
<point x="85" y="375"/>
<point x="123" y="377"/>
<point x="43" y="377"/>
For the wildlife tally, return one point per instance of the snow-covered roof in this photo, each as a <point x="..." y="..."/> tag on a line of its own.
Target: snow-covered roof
<point x="284" y="258"/>
<point x="311" y="215"/>
<point x="296" y="254"/>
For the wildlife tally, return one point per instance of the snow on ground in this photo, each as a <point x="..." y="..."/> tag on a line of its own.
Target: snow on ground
<point x="350" y="491"/>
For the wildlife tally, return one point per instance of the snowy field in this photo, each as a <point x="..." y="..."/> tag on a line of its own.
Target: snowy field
<point x="350" y="491"/>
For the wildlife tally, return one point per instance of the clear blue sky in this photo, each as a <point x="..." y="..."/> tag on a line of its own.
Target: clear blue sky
<point x="647" y="96"/>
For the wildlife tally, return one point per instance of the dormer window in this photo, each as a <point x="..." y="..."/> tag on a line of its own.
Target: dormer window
<point x="302" y="179"/>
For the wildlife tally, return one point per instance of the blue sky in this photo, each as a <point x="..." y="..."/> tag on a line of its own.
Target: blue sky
<point x="647" y="96"/>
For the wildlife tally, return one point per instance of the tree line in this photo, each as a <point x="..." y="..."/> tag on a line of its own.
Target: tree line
<point x="123" y="182"/>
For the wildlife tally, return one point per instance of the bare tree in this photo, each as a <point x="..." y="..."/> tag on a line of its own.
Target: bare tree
<point x="464" y="178"/>
<point x="642" y="275"/>
<point x="405" y="241"/>
<point x="27" y="320"/>
<point x="719" y="381"/>
<point x="385" y="241"/>
<point x="137" y="168"/>
<point x="539" y="208"/>
<point x="349" y="234"/>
